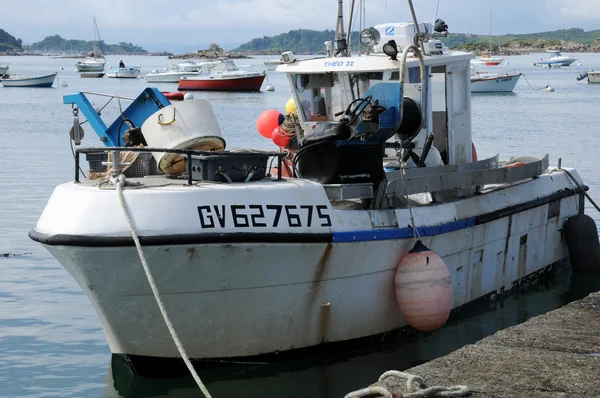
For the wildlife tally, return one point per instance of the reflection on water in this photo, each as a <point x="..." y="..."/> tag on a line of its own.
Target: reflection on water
<point x="337" y="374"/>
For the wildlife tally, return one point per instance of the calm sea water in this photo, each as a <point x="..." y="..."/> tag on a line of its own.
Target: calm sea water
<point x="51" y="343"/>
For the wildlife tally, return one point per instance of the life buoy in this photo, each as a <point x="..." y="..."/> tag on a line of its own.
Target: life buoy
<point x="473" y="152"/>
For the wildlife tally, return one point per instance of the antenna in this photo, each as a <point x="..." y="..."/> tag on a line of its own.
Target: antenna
<point x="340" y="37"/>
<point x="349" y="37"/>
<point x="437" y="6"/>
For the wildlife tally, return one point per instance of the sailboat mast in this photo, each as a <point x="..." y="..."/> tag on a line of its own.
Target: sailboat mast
<point x="94" y="42"/>
<point x="490" y="33"/>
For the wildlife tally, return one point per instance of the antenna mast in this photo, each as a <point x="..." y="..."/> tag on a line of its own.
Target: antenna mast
<point x="341" y="45"/>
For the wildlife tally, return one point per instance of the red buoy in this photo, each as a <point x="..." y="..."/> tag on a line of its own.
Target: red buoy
<point x="279" y="137"/>
<point x="423" y="289"/>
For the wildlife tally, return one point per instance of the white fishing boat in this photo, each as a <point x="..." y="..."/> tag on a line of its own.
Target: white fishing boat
<point x="3" y="69"/>
<point x="168" y="76"/>
<point x="486" y="82"/>
<point x="124" y="73"/>
<point x="557" y="60"/>
<point x="95" y="62"/>
<point x="592" y="76"/>
<point x="391" y="219"/>
<point x="29" y="81"/>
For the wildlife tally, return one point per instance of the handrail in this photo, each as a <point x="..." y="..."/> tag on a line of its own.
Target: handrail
<point x="188" y="152"/>
<point x="437" y="179"/>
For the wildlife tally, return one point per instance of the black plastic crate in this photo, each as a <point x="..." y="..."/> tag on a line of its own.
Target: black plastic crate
<point x="229" y="167"/>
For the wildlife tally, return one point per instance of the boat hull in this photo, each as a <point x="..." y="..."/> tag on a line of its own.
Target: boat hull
<point x="92" y="75"/>
<point x="237" y="294"/>
<point x="90" y="67"/>
<point x="38" y="81"/>
<point x="499" y="84"/>
<point x="252" y="83"/>
<point x="594" y="77"/>
<point x="558" y="62"/>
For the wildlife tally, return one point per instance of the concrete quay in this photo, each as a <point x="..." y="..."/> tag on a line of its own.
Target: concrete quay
<point x="556" y="354"/>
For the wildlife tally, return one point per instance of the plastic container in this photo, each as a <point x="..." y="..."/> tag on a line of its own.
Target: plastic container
<point x="189" y="124"/>
<point x="229" y="167"/>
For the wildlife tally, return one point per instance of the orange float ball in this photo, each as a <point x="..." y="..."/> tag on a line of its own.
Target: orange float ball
<point x="423" y="289"/>
<point x="267" y="121"/>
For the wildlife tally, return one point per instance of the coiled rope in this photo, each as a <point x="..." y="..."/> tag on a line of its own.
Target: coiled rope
<point x="414" y="388"/>
<point x="118" y="182"/>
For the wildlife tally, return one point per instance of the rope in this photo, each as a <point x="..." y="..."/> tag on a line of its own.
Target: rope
<point x="119" y="184"/>
<point x="414" y="386"/>
<point x="568" y="173"/>
<point x="533" y="88"/>
<point x="412" y="218"/>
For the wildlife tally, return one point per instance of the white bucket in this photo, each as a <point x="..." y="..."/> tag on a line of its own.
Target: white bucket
<point x="188" y="124"/>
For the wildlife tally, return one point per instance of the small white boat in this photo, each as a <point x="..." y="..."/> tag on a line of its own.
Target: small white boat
<point x="483" y="82"/>
<point x="487" y="60"/>
<point x="593" y="76"/>
<point x="557" y="60"/>
<point x="169" y="76"/>
<point x="124" y="73"/>
<point x="3" y="69"/>
<point x="90" y="65"/>
<point x="30" y="81"/>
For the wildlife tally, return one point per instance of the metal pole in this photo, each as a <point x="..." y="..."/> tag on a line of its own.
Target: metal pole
<point x="189" y="168"/>
<point x="76" y="166"/>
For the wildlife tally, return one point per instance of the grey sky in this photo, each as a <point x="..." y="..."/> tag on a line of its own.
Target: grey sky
<point x="168" y="24"/>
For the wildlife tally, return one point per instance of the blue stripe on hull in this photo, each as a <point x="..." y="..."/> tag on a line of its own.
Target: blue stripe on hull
<point x="402" y="233"/>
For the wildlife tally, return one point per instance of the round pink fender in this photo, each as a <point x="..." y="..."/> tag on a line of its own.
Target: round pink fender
<point x="423" y="289"/>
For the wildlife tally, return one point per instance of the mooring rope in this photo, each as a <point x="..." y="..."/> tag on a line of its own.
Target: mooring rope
<point x="529" y="84"/>
<point x="118" y="181"/>
<point x="410" y="212"/>
<point x="415" y="388"/>
<point x="568" y="173"/>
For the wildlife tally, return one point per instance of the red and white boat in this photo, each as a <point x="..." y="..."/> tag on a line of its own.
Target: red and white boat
<point x="223" y="76"/>
<point x="488" y="60"/>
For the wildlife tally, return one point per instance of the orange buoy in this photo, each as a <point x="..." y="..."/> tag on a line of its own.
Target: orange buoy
<point x="473" y="152"/>
<point x="423" y="289"/>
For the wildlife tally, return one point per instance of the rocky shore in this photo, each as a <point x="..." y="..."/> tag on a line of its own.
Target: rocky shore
<point x="519" y="47"/>
<point x="208" y="54"/>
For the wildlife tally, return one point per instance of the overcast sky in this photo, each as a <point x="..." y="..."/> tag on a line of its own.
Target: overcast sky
<point x="173" y="25"/>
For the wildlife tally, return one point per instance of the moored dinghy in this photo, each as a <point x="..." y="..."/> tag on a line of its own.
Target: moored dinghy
<point x="123" y="73"/>
<point x="255" y="265"/>
<point x="29" y="81"/>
